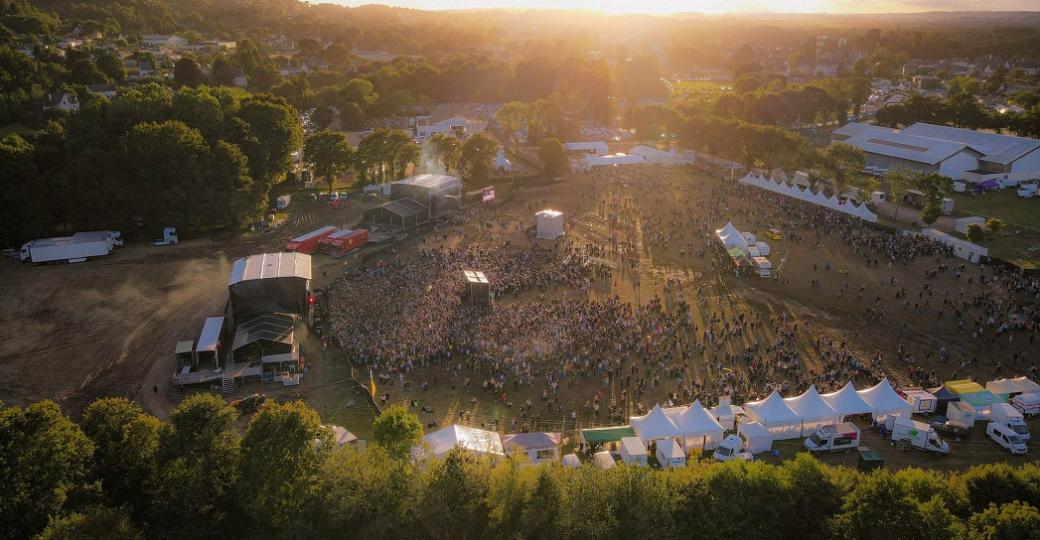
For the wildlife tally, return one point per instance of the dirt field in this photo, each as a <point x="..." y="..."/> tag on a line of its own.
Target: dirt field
<point x="107" y="327"/>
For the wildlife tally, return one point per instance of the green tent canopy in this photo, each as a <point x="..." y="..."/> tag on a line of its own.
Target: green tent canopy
<point x="606" y="434"/>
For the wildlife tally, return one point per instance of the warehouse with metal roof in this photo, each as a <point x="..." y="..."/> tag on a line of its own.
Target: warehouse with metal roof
<point x="892" y="149"/>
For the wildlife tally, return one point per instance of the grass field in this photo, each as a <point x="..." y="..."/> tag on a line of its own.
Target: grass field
<point x="1002" y="204"/>
<point x="1022" y="218"/>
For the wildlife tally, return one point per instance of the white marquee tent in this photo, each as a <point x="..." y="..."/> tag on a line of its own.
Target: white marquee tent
<point x="1017" y="385"/>
<point x="655" y="425"/>
<point x="832" y="202"/>
<point x="814" y="411"/>
<point x="773" y="413"/>
<point x="731" y="238"/>
<point x="697" y="427"/>
<point x="885" y="401"/>
<point x="478" y="441"/>
<point x="847" y="402"/>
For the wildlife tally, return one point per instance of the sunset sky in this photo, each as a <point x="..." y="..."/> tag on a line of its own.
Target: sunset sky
<point x="720" y="6"/>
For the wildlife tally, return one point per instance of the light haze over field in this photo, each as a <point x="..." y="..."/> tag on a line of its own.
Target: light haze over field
<point x="720" y="7"/>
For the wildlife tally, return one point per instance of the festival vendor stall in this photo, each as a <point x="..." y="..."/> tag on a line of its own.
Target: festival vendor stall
<point x="781" y="421"/>
<point x="847" y="402"/>
<point x="654" y="426"/>
<point x="697" y="427"/>
<point x="1009" y="388"/>
<point x="813" y="410"/>
<point x="885" y="401"/>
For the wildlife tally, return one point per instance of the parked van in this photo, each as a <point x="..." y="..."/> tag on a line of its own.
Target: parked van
<point x="732" y="447"/>
<point x="1006" y="438"/>
<point x="844" y="436"/>
<point x="1008" y="416"/>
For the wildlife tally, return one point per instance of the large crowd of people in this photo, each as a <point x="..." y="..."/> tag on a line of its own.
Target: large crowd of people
<point x="594" y="357"/>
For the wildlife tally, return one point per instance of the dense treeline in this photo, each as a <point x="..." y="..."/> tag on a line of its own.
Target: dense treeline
<point x="122" y="473"/>
<point x="200" y="159"/>
<point x="749" y="143"/>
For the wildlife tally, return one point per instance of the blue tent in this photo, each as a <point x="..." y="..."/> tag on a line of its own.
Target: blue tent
<point x="943" y="398"/>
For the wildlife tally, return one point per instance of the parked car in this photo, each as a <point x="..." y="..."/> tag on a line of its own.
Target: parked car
<point x="952" y="427"/>
<point x="1006" y="438"/>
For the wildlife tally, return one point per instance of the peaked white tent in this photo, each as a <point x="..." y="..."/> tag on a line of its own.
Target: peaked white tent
<point x="847" y="402"/>
<point x="571" y="461"/>
<point x="697" y="427"/>
<point x="815" y="412"/>
<point x="731" y="238"/>
<point x="885" y="401"/>
<point x="781" y="421"/>
<point x="655" y="425"/>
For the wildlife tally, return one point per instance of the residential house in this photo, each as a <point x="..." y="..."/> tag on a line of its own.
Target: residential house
<point x="61" y="101"/>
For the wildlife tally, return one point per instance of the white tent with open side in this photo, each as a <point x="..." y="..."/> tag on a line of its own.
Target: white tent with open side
<point x="885" y="401"/>
<point x="655" y="425"/>
<point x="773" y="413"/>
<point x="697" y="427"/>
<point x="1017" y="385"/>
<point x="814" y="411"/>
<point x="756" y="437"/>
<point x="847" y="402"/>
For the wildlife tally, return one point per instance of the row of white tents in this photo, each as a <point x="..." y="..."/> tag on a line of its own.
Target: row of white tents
<point x="805" y="194"/>
<point x="784" y="418"/>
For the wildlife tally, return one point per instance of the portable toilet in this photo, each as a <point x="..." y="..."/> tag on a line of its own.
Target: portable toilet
<point x="947" y="206"/>
<point x="633" y="452"/>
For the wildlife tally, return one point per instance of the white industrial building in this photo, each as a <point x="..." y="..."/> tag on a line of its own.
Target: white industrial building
<point x="958" y="153"/>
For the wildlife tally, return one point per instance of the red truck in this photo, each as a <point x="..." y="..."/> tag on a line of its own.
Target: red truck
<point x="343" y="241"/>
<point x="307" y="243"/>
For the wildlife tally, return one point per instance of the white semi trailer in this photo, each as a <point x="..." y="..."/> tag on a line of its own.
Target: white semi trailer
<point x="65" y="249"/>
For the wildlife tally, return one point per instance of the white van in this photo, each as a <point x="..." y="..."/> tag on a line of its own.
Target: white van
<point x="732" y="447"/>
<point x="1006" y="438"/>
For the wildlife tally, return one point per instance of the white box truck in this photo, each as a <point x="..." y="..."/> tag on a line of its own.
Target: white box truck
<point x="1027" y="404"/>
<point x="114" y="238"/>
<point x="844" y="436"/>
<point x="918" y="435"/>
<point x="1008" y="416"/>
<point x="65" y="249"/>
